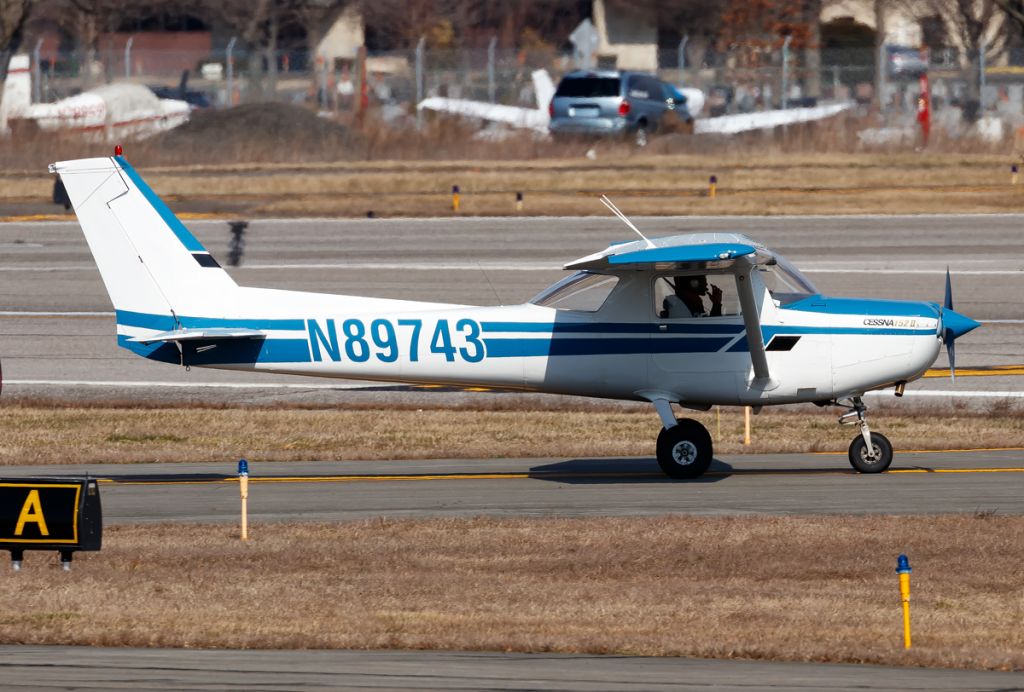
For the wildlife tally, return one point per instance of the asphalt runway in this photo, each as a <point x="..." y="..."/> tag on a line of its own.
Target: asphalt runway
<point x="917" y="483"/>
<point x="57" y="340"/>
<point x="81" y="668"/>
<point x="57" y="333"/>
<point x="990" y="481"/>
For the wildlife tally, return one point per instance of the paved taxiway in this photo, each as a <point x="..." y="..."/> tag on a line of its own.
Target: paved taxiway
<point x="919" y="483"/>
<point x="56" y="329"/>
<point x="37" y="668"/>
<point x="56" y="339"/>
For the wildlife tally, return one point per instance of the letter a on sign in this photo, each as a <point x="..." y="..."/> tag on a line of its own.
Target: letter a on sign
<point x="32" y="511"/>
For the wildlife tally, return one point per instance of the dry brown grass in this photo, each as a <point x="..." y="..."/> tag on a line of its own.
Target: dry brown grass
<point x="770" y="178"/>
<point x="781" y="588"/>
<point x="46" y="434"/>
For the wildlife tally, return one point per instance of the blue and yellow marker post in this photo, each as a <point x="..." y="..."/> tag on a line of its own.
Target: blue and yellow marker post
<point x="903" y="569"/>
<point x="243" y="488"/>
<point x="712" y="186"/>
<point x="455" y="198"/>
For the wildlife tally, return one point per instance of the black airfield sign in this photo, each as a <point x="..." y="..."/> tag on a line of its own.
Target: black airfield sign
<point x="61" y="514"/>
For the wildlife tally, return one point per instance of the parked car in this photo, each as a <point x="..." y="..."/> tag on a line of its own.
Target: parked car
<point x="905" y="61"/>
<point x="610" y="102"/>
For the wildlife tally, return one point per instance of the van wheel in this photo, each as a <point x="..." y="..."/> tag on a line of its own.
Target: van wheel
<point x="641" y="135"/>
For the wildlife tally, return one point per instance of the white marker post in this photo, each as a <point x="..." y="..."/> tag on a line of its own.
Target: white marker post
<point x="243" y="488"/>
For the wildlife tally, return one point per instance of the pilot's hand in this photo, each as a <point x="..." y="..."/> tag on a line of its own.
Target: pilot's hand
<point x="716" y="294"/>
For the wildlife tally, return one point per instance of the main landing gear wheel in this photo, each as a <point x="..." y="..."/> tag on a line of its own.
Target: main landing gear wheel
<point x="881" y="452"/>
<point x="685" y="450"/>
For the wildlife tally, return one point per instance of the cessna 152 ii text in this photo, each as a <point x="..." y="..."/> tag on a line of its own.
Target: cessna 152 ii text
<point x="688" y="320"/>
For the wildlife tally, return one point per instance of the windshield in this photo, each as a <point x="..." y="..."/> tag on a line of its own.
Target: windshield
<point x="785" y="282"/>
<point x="584" y="291"/>
<point x="588" y="87"/>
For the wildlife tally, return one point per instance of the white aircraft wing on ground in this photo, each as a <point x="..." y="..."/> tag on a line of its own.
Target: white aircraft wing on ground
<point x="538" y="118"/>
<point x="516" y="116"/>
<point x="763" y="120"/>
<point x="112" y="111"/>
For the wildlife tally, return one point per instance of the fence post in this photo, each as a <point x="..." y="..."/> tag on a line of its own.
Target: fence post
<point x="37" y="74"/>
<point x="128" y="57"/>
<point x="420" y="46"/>
<point x="490" y="68"/>
<point x="681" y="60"/>
<point x="981" y="76"/>
<point x="230" y="60"/>
<point x="785" y="72"/>
<point x="883" y="67"/>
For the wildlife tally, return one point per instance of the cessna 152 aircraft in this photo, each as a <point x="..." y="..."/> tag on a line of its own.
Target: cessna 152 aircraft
<point x="689" y="320"/>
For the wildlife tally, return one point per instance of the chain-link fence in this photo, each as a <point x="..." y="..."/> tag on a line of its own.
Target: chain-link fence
<point x="732" y="82"/>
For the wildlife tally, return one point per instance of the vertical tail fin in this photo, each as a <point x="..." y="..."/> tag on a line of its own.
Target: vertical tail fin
<point x="544" y="88"/>
<point x="17" y="91"/>
<point x="151" y="264"/>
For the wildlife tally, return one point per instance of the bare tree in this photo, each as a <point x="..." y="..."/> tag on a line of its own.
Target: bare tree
<point x="980" y="27"/>
<point x="13" y="15"/>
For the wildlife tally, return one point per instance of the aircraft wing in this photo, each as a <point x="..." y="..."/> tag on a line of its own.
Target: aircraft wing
<point x="193" y="334"/>
<point x="744" y="122"/>
<point x="729" y="251"/>
<point x="711" y="251"/>
<point x="494" y="112"/>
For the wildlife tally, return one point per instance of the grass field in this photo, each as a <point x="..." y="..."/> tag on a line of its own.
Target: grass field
<point x="748" y="183"/>
<point x="67" y="434"/>
<point x="783" y="588"/>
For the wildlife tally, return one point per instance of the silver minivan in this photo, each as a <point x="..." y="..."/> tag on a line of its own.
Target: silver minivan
<point x="612" y="102"/>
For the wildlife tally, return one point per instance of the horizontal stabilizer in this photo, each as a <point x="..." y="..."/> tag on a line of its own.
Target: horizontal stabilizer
<point x="201" y="335"/>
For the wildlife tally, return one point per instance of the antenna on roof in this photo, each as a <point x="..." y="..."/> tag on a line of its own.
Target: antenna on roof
<point x="615" y="210"/>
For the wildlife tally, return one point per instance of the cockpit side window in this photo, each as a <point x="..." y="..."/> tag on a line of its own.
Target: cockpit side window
<point x="685" y="296"/>
<point x="583" y="292"/>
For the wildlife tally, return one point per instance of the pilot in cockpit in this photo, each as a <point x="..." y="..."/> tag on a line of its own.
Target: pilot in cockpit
<point x="686" y="301"/>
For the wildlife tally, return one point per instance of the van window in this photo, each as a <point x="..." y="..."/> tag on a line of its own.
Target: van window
<point x="588" y="87"/>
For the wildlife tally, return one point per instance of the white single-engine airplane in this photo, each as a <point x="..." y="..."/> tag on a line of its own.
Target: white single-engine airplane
<point x="693" y="320"/>
<point x="111" y="111"/>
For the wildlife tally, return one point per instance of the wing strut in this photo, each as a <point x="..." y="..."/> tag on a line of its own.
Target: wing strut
<point x="752" y="322"/>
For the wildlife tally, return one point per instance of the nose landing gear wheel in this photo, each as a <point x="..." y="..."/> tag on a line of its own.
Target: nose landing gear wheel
<point x="882" y="453"/>
<point x="685" y="450"/>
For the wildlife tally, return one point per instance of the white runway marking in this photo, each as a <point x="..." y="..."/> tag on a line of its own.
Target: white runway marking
<point x="190" y="385"/>
<point x="40" y="313"/>
<point x="970" y="394"/>
<point x="521" y="267"/>
<point x="86" y="313"/>
<point x="955" y="272"/>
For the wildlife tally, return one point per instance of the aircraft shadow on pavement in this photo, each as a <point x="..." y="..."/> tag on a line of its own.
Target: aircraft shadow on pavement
<point x="619" y="471"/>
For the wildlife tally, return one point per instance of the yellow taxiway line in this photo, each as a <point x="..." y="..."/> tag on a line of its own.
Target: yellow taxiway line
<point x="978" y="371"/>
<point x="538" y="476"/>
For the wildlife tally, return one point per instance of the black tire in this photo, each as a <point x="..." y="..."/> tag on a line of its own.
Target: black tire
<point x="685" y="451"/>
<point x="883" y="454"/>
<point x="641" y="135"/>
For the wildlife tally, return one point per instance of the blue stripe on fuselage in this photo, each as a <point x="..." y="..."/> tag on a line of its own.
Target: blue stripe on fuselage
<point x="552" y="339"/>
<point x="166" y="322"/>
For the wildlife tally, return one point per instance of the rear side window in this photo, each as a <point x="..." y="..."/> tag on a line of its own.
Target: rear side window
<point x="588" y="87"/>
<point x="645" y="88"/>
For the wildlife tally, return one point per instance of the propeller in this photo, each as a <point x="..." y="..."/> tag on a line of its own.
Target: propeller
<point x="954" y="325"/>
<point x="948" y="337"/>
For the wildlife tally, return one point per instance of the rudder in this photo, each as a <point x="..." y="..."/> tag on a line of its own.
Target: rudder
<point x="149" y="261"/>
